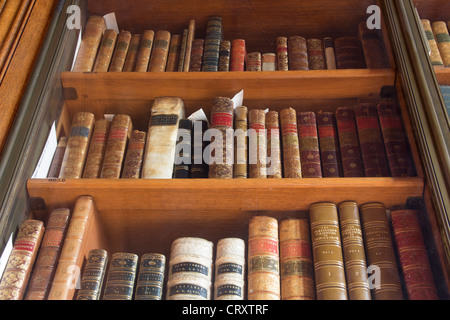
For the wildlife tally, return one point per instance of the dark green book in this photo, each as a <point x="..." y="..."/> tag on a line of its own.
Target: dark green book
<point x="93" y="275"/>
<point x="121" y="276"/>
<point x="150" y="279"/>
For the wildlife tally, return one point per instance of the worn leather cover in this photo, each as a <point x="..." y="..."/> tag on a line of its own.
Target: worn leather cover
<point x="143" y="58"/>
<point x="329" y="145"/>
<point x="316" y="54"/>
<point x="240" y="143"/>
<point x="93" y="275"/>
<point x="435" y="55"/>
<point x="133" y="51"/>
<point x="134" y="157"/>
<point x="97" y="147"/>
<point x="330" y="56"/>
<point x="442" y="37"/>
<point x="182" y="166"/>
<point x="238" y="53"/>
<point x="349" y="53"/>
<point x="224" y="55"/>
<point x="121" y="276"/>
<point x="274" y="162"/>
<point x="150" y="279"/>
<point x="199" y="167"/>
<point x="158" y="57"/>
<point x="120" y="52"/>
<point x="253" y="61"/>
<point x="282" y="54"/>
<point x="55" y="166"/>
<point x="290" y="144"/>
<point x="309" y="145"/>
<point x="298" y="53"/>
<point x="174" y="53"/>
<point x="257" y="146"/>
<point x="105" y="52"/>
<point x="212" y="44"/>
<point x="197" y="55"/>
<point x="373" y="47"/>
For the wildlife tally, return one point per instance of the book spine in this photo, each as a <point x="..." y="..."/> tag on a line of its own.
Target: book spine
<point x="55" y="166"/>
<point x="119" y="135"/>
<point x="189" y="40"/>
<point x="183" y="151"/>
<point x="298" y="53"/>
<point x="257" y="164"/>
<point x="229" y="271"/>
<point x="269" y="62"/>
<point x="132" y="165"/>
<point x="199" y="167"/>
<point x="352" y="165"/>
<point x="274" y="163"/>
<point x="21" y="260"/>
<point x="330" y="57"/>
<point x="435" y="55"/>
<point x="133" y="51"/>
<point x="121" y="276"/>
<point x="309" y="145"/>
<point x="316" y="55"/>
<point x="290" y="144"/>
<point x="93" y="275"/>
<point x="442" y="37"/>
<point x="253" y="62"/>
<point x="145" y="51"/>
<point x="158" y="58"/>
<point x="241" y="143"/>
<point x="77" y="146"/>
<point x="380" y="252"/>
<point x="212" y="44"/>
<point x="238" y="53"/>
<point x="197" y="55"/>
<point x="120" y="52"/>
<point x="353" y="249"/>
<point x="150" y="279"/>
<point x="327" y="252"/>
<point x="47" y="259"/>
<point x="372" y="45"/>
<point x="413" y="257"/>
<point x="263" y="259"/>
<point x="349" y="54"/>
<point x="329" y="145"/>
<point x="174" y="54"/>
<point x="183" y="50"/>
<point x="97" y="146"/>
<point x="224" y="55"/>
<point x="105" y="52"/>
<point x="297" y="271"/>
<point x="282" y="54"/>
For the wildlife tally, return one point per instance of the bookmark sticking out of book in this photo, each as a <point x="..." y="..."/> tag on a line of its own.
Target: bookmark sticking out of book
<point x="238" y="99"/>
<point x="111" y="21"/>
<point x="199" y="115"/>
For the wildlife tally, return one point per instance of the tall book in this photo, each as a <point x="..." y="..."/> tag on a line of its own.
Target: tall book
<point x="212" y="44"/>
<point x="105" y="52"/>
<point x="189" y="40"/>
<point x="145" y="50"/>
<point x="150" y="278"/>
<point x="309" y="145"/>
<point x="174" y="53"/>
<point x="282" y="54"/>
<point x="435" y="55"/>
<point x="380" y="254"/>
<point x="329" y="145"/>
<point x="121" y="276"/>
<point x="330" y="56"/>
<point x="120" y="52"/>
<point x="274" y="162"/>
<point x="21" y="260"/>
<point x="229" y="278"/>
<point x="241" y="143"/>
<point x="77" y="146"/>
<point x="290" y="144"/>
<point x="253" y="61"/>
<point x="90" y="42"/>
<point x="349" y="53"/>
<point x="263" y="259"/>
<point x="55" y="166"/>
<point x="199" y="167"/>
<point x="353" y="250"/>
<point x="224" y="55"/>
<point x="158" y="58"/>
<point x="162" y="133"/>
<point x="197" y="55"/>
<point x="183" y="150"/>
<point x="327" y="252"/>
<point x="413" y="256"/>
<point x="269" y="62"/>
<point x="297" y="271"/>
<point x="47" y="259"/>
<point x="133" y="51"/>
<point x="119" y="135"/>
<point x="238" y="54"/>
<point x="373" y="47"/>
<point x="442" y="37"/>
<point x="298" y="53"/>
<point x="257" y="144"/>
<point x="93" y="275"/>
<point x="183" y="50"/>
<point x="132" y="165"/>
<point x="97" y="147"/>
<point x="316" y="54"/>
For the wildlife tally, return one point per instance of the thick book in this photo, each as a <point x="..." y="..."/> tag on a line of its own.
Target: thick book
<point x="297" y="53"/>
<point x="105" y="52"/>
<point x="442" y="37"/>
<point x="296" y="262"/>
<point x="121" y="276"/>
<point x="199" y="167"/>
<point x="183" y="150"/>
<point x="257" y="144"/>
<point x="97" y="147"/>
<point x="224" y="55"/>
<point x="309" y="145"/>
<point x="291" y="150"/>
<point x="240" y="143"/>
<point x="263" y="275"/>
<point x="274" y="161"/>
<point x="174" y="53"/>
<point x="197" y="55"/>
<point x="189" y="40"/>
<point x="93" y="275"/>
<point x="435" y="55"/>
<point x="150" y="278"/>
<point x="316" y="54"/>
<point x="133" y="51"/>
<point x="158" y="58"/>
<point x="328" y="257"/>
<point x="21" y="260"/>
<point x="132" y="165"/>
<point x="282" y="54"/>
<point x="238" y="53"/>
<point x="329" y="145"/>
<point x="55" y="166"/>
<point x="269" y="62"/>
<point x="384" y="276"/>
<point x="253" y="61"/>
<point x="330" y="56"/>
<point x="349" y="53"/>
<point x="413" y="256"/>
<point x="145" y="50"/>
<point x="214" y="35"/>
<point x="373" y="47"/>
<point x="47" y="259"/>
<point x="120" y="52"/>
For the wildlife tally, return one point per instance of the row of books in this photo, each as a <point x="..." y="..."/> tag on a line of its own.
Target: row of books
<point x="341" y="252"/>
<point x="105" y="50"/>
<point x="438" y="38"/>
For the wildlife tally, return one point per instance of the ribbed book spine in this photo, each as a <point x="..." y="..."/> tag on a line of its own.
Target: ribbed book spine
<point x="442" y="37"/>
<point x="224" y="55"/>
<point x="316" y="55"/>
<point x="297" y="271"/>
<point x="327" y="252"/>
<point x="174" y="54"/>
<point x="330" y="56"/>
<point x="105" y="52"/>
<point x="212" y="44"/>
<point x="189" y="40"/>
<point x="21" y="260"/>
<point x="413" y="256"/>
<point x="158" y="58"/>
<point x="183" y="151"/>
<point x="329" y="145"/>
<point x="290" y="143"/>
<point x="145" y="50"/>
<point x="183" y="50"/>
<point x="435" y="56"/>
<point x="253" y="61"/>
<point x="241" y="143"/>
<point x="120" y="52"/>
<point x="93" y="275"/>
<point x="263" y="259"/>
<point x="133" y="51"/>
<point x="150" y="279"/>
<point x="121" y="276"/>
<point x="269" y="62"/>
<point x="274" y="162"/>
<point x="132" y="165"/>
<point x="380" y="253"/>
<point x="298" y="53"/>
<point x="349" y="54"/>
<point x="97" y="147"/>
<point x="238" y="53"/>
<point x="372" y="46"/>
<point x="55" y="166"/>
<point x="46" y="262"/>
<point x="197" y="55"/>
<point x="282" y="54"/>
<point x="257" y="165"/>
<point x="199" y="167"/>
<point x="309" y="145"/>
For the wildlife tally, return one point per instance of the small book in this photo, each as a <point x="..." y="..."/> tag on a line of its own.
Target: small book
<point x="174" y="53"/>
<point x="257" y="144"/>
<point x="224" y="55"/>
<point x="133" y="51"/>
<point x="197" y="55"/>
<point x="120" y="52"/>
<point x="158" y="58"/>
<point x="349" y="53"/>
<point x="297" y="53"/>
<point x="55" y="166"/>
<point x="97" y="147"/>
<point x="238" y="53"/>
<point x="183" y="50"/>
<point x="121" y="276"/>
<point x="309" y="145"/>
<point x="145" y="51"/>
<point x="274" y="162"/>
<point x="183" y="150"/>
<point x="330" y="56"/>
<point x="199" y="167"/>
<point x="93" y="275"/>
<point x="329" y="145"/>
<point x="269" y="62"/>
<point x="435" y="55"/>
<point x="373" y="47"/>
<point x="189" y="40"/>
<point x="105" y="52"/>
<point x="316" y="54"/>
<point x="132" y="165"/>
<point x="442" y="37"/>
<point x="241" y="143"/>
<point x="214" y="35"/>
<point x="253" y="61"/>
<point x="282" y="54"/>
<point x="150" y="279"/>
<point x="291" y="150"/>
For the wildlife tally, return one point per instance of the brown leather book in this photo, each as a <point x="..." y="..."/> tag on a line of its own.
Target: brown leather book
<point x="21" y="260"/>
<point x="97" y="147"/>
<point x="145" y="51"/>
<point x="238" y="54"/>
<point x="373" y="47"/>
<point x="55" y="166"/>
<point x="253" y="61"/>
<point x="330" y="56"/>
<point x="329" y="145"/>
<point x="224" y="55"/>
<point x="282" y="54"/>
<point x="46" y="262"/>
<point x="120" y="51"/>
<point x="105" y="52"/>
<point x="309" y="145"/>
<point x="184" y="37"/>
<point x="158" y="58"/>
<point x="274" y="162"/>
<point x="290" y="144"/>
<point x="133" y="51"/>
<point x="435" y="56"/>
<point x="121" y="276"/>
<point x="327" y="252"/>
<point x="442" y="37"/>
<point x="297" y="270"/>
<point x="93" y="275"/>
<point x="190" y="38"/>
<point x="263" y="259"/>
<point x="316" y="54"/>
<point x="381" y="260"/>
<point x="241" y="143"/>
<point x="174" y="53"/>
<point x="349" y="53"/>
<point x="257" y="144"/>
<point x="197" y="55"/>
<point x="298" y="53"/>
<point x="132" y="165"/>
<point x="150" y="278"/>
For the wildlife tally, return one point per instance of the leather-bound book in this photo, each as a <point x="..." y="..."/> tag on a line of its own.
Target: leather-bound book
<point x="330" y="56"/>
<point x="189" y="40"/>
<point x="97" y="147"/>
<point x="214" y="35"/>
<point x="197" y="55"/>
<point x="145" y="51"/>
<point x="316" y="54"/>
<point x="329" y="145"/>
<point x="221" y="164"/>
<point x="55" y="166"/>
<point x="253" y="61"/>
<point x="435" y="55"/>
<point x="21" y="260"/>
<point x="263" y="259"/>
<point x="269" y="62"/>
<point x="352" y="165"/>
<point x="71" y="259"/>
<point x="229" y="269"/>
<point x="442" y="37"/>
<point x="105" y="52"/>
<point x="413" y="256"/>
<point x="133" y="51"/>
<point x="190" y="269"/>
<point x="132" y="165"/>
<point x="118" y="138"/>
<point x="224" y="55"/>
<point x="238" y="53"/>
<point x="291" y="150"/>
<point x="150" y="278"/>
<point x="297" y="270"/>
<point x="158" y="58"/>
<point x="373" y="47"/>
<point x="162" y="133"/>
<point x="47" y="259"/>
<point x="77" y="146"/>
<point x="120" y="52"/>
<point x="298" y="53"/>
<point x="353" y="250"/>
<point x="199" y="167"/>
<point x="282" y="54"/>
<point x="371" y="142"/>
<point x="240" y="143"/>
<point x="174" y="53"/>
<point x="183" y="153"/>
<point x="183" y="50"/>
<point x="327" y="252"/>
<point x="309" y="145"/>
<point x="274" y="162"/>
<point x="257" y="144"/>
<point x="93" y="275"/>
<point x="380" y="253"/>
<point x="90" y="42"/>
<point x="349" y="53"/>
<point x="121" y="276"/>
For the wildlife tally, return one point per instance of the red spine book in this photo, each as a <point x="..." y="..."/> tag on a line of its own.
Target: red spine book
<point x="329" y="145"/>
<point x="238" y="54"/>
<point x="309" y="145"/>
